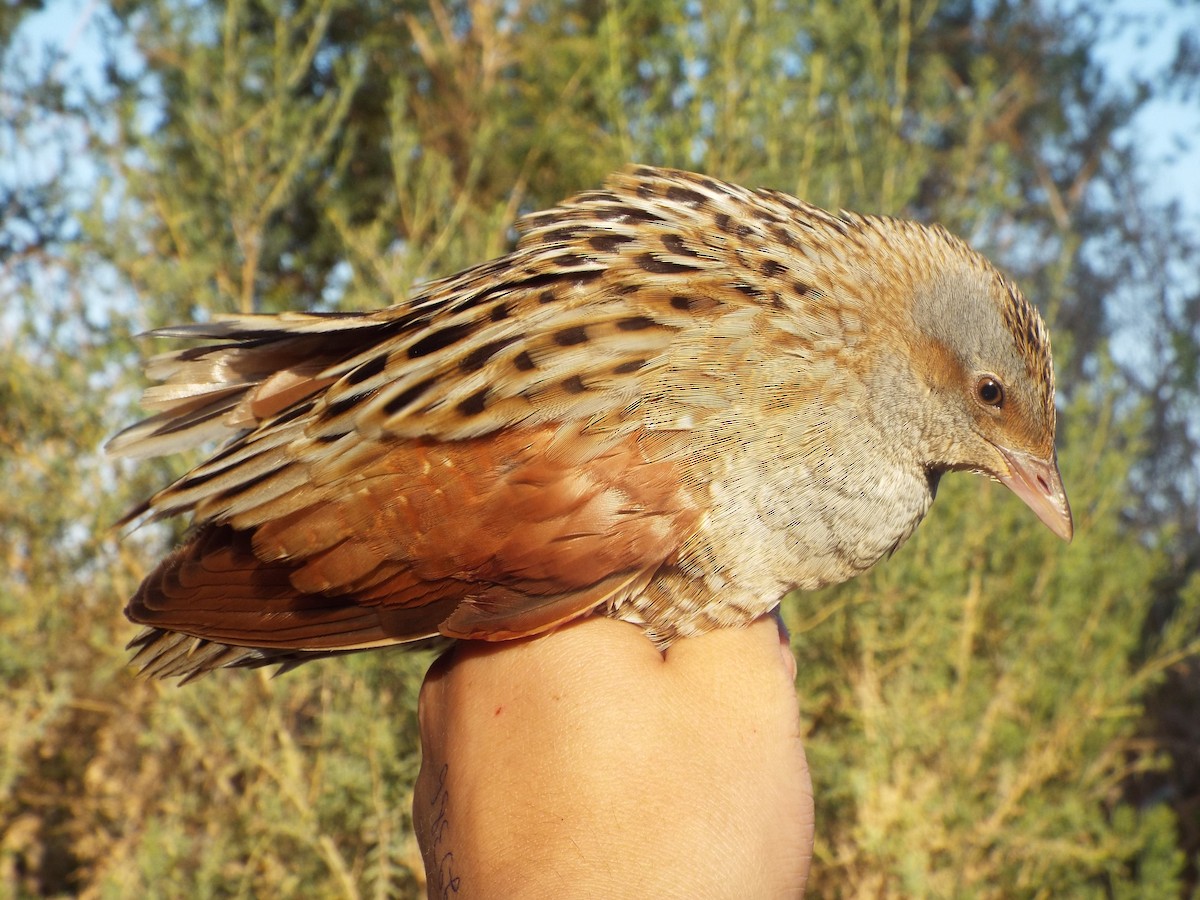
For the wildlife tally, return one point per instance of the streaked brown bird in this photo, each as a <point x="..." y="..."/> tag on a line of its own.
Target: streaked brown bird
<point x="676" y="400"/>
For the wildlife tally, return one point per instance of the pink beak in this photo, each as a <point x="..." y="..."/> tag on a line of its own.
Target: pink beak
<point x="1038" y="483"/>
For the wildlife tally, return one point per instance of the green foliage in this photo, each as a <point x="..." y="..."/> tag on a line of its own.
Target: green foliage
<point x="976" y="706"/>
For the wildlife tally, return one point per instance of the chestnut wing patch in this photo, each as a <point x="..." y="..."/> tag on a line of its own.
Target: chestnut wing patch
<point x="488" y="538"/>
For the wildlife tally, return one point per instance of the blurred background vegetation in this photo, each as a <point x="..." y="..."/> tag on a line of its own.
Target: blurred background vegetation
<point x="990" y="714"/>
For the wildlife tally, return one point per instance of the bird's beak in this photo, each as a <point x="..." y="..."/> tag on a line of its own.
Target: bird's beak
<point x="1038" y="482"/>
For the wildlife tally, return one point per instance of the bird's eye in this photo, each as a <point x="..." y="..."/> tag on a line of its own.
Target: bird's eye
<point x="989" y="391"/>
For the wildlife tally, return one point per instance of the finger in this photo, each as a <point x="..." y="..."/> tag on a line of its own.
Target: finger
<point x="586" y="646"/>
<point x="785" y="644"/>
<point x="430" y="784"/>
<point x="431" y="699"/>
<point x="758" y="641"/>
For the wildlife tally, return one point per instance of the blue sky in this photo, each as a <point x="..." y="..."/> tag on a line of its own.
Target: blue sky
<point x="1168" y="128"/>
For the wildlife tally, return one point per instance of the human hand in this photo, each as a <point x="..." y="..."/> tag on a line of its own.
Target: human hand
<point x="584" y="763"/>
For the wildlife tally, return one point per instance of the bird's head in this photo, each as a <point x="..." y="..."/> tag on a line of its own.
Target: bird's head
<point x="983" y="354"/>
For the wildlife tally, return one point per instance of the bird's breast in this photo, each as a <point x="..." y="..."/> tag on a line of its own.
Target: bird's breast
<point x="783" y="515"/>
<point x="805" y="522"/>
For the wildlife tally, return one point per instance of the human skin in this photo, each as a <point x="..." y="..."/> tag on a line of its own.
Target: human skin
<point x="585" y="763"/>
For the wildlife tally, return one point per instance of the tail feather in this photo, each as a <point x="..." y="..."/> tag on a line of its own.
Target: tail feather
<point x="170" y="654"/>
<point x="260" y="366"/>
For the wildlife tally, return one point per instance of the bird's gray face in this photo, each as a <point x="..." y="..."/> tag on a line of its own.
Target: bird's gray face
<point x="985" y="358"/>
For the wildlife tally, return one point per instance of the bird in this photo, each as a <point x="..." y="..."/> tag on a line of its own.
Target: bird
<point x="674" y="401"/>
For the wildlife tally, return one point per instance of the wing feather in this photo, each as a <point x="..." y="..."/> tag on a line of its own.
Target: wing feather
<point x="506" y="450"/>
<point x="492" y="538"/>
